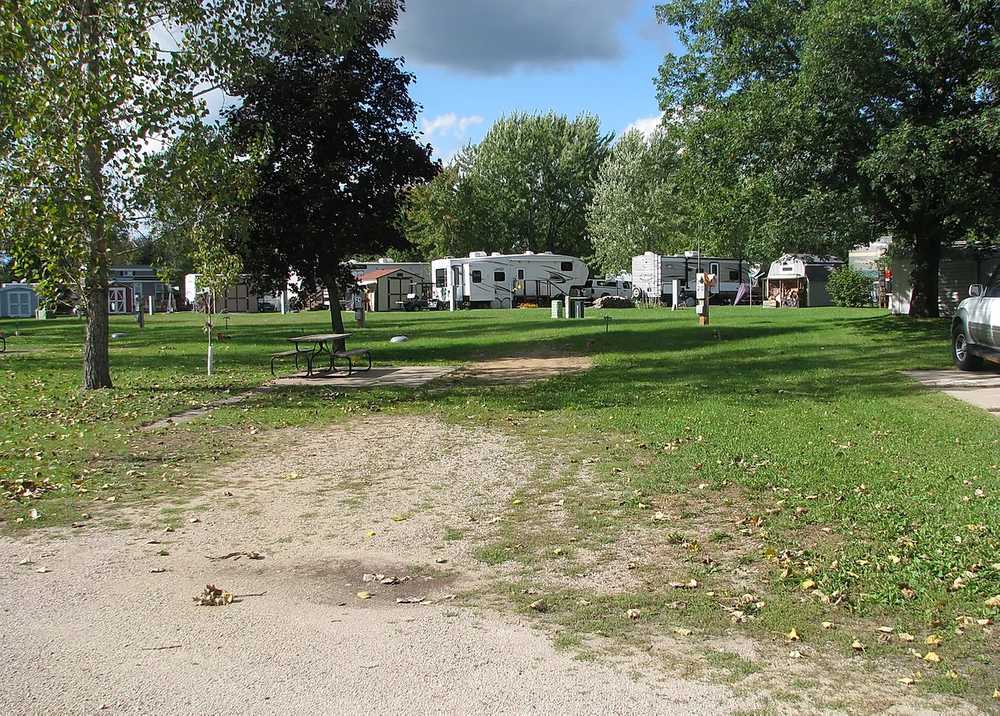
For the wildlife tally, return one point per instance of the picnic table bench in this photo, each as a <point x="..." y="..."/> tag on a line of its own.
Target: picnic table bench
<point x="318" y="344"/>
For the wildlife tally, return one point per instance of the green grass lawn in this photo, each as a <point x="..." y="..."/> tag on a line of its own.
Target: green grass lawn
<point x="864" y="491"/>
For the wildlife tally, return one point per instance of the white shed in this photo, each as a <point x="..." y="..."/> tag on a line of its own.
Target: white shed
<point x="799" y="280"/>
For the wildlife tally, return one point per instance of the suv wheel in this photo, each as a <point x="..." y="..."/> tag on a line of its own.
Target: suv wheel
<point x="964" y="358"/>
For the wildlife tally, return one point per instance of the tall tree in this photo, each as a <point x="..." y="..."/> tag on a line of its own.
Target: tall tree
<point x="530" y="181"/>
<point x="844" y="117"/>
<point x="339" y="133"/>
<point x="85" y="85"/>
<point x="637" y="205"/>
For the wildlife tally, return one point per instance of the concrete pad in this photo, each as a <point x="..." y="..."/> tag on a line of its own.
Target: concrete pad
<point x="406" y="377"/>
<point x="981" y="389"/>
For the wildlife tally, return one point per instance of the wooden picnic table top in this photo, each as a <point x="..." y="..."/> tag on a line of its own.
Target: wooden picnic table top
<point x="319" y="337"/>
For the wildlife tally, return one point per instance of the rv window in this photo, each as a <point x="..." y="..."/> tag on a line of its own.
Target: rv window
<point x="499" y="276"/>
<point x="567" y="265"/>
<point x="734" y="275"/>
<point x="520" y="274"/>
<point x="477" y="276"/>
<point x="439" y="278"/>
<point x="713" y="268"/>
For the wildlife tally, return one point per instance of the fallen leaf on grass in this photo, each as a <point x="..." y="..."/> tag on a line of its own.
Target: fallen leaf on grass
<point x="792" y="635"/>
<point x="682" y="632"/>
<point x="906" y="681"/>
<point x="795" y="654"/>
<point x="886" y="629"/>
<point x="932" y="657"/>
<point x="857" y="646"/>
<point x="34" y="514"/>
<point x="538" y="605"/>
<point x="993" y="601"/>
<point x="903" y="636"/>
<point x="43" y="570"/>
<point x="828" y="625"/>
<point x="807" y="585"/>
<point x="633" y="614"/>
<point x="399" y="518"/>
<point x="692" y="584"/>
<point x="932" y="640"/>
<point x="364" y="595"/>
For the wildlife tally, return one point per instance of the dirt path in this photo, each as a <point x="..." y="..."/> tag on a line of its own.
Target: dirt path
<point x="111" y="622"/>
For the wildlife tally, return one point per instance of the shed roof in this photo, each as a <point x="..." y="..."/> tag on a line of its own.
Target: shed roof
<point x="370" y="276"/>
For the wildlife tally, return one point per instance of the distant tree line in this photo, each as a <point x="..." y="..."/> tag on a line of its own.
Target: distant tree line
<point x="788" y="127"/>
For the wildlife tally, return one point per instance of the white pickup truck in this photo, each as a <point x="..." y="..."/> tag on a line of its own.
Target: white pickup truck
<point x="975" y="330"/>
<point x="594" y="288"/>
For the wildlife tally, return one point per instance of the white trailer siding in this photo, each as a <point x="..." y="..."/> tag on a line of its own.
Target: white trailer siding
<point x="498" y="280"/>
<point x="653" y="274"/>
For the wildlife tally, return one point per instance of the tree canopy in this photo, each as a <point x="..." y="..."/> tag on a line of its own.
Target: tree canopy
<point x="525" y="186"/>
<point x="816" y="125"/>
<point x="637" y="205"/>
<point x="337" y="128"/>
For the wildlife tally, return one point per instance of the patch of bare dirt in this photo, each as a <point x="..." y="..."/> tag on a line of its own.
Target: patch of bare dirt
<point x="523" y="369"/>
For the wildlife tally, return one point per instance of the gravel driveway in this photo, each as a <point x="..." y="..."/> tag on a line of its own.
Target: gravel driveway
<point x="110" y="622"/>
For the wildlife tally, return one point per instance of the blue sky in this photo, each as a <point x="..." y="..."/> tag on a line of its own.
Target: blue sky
<point x="476" y="60"/>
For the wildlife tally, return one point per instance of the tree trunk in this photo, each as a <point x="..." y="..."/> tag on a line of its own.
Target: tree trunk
<point x="336" y="318"/>
<point x="96" y="363"/>
<point x="924" y="275"/>
<point x="96" y="366"/>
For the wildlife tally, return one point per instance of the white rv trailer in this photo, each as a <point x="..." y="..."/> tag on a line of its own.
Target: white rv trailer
<point x="653" y="275"/>
<point x="482" y="280"/>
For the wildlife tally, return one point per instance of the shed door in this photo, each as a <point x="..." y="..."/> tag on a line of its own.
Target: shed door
<point x="398" y="289"/>
<point x="117" y="300"/>
<point x="19" y="304"/>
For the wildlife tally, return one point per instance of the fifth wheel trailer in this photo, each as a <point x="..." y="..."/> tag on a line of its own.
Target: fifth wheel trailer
<point x="653" y="275"/>
<point x="482" y="280"/>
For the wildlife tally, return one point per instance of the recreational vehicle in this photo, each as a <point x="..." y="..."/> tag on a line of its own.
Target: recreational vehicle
<point x="653" y="276"/>
<point x="495" y="280"/>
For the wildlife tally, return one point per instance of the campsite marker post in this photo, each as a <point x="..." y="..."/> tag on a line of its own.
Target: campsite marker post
<point x="703" y="285"/>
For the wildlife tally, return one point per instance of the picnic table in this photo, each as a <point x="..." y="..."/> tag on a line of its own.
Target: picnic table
<point x="317" y="344"/>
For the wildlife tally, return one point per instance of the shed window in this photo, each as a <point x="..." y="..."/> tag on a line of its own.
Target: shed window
<point x="439" y="278"/>
<point x="567" y="266"/>
<point x="477" y="276"/>
<point x="499" y="276"/>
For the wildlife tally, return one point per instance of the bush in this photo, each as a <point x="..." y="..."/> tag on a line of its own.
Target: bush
<point x="849" y="287"/>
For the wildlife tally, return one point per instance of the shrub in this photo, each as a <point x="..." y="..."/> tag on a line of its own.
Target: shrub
<point x="849" y="287"/>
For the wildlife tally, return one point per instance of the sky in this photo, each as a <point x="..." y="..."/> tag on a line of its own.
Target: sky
<point x="477" y="60"/>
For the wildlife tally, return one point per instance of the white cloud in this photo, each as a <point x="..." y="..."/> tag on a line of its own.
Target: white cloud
<point x="646" y="125"/>
<point x="448" y="124"/>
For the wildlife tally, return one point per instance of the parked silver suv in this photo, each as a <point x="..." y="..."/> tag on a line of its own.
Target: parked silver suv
<point x="975" y="331"/>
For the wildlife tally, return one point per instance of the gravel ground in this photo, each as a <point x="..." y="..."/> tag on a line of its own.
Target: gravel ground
<point x="99" y="629"/>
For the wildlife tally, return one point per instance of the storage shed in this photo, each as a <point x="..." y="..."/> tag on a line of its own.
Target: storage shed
<point x="799" y="280"/>
<point x="387" y="288"/>
<point x="18" y="300"/>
